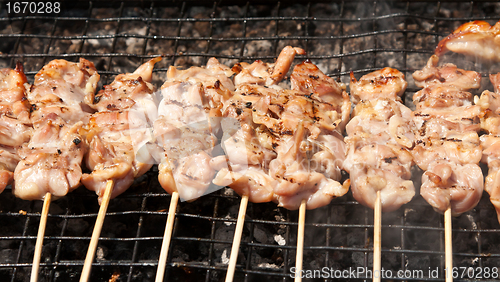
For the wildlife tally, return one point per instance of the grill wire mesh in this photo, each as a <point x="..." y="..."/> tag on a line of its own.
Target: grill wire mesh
<point x="339" y="37"/>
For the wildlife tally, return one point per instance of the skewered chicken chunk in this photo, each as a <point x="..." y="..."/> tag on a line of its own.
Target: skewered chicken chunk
<point x="477" y="39"/>
<point x="126" y="110"/>
<point x="61" y="97"/>
<point x="187" y="124"/>
<point x="380" y="135"/>
<point x="15" y="129"/>
<point x="448" y="146"/>
<point x="490" y="122"/>
<point x="283" y="145"/>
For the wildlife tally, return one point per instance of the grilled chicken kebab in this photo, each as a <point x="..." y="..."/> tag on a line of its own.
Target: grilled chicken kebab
<point x="477" y="39"/>
<point x="187" y="125"/>
<point x="283" y="145"/>
<point x="15" y="127"/>
<point x="490" y="122"/>
<point x="116" y="133"/>
<point x="380" y="137"/>
<point x="448" y="148"/>
<point x="60" y="97"/>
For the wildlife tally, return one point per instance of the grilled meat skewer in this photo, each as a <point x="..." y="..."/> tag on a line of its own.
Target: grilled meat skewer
<point x="61" y="97"/>
<point x="448" y="146"/>
<point x="380" y="136"/>
<point x="187" y="125"/>
<point x="283" y="145"/>
<point x="126" y="111"/>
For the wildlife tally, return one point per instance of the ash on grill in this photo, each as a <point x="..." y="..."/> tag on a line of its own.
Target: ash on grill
<point x="338" y="37"/>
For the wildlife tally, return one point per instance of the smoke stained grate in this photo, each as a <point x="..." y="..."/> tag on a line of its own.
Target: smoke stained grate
<point x="339" y="36"/>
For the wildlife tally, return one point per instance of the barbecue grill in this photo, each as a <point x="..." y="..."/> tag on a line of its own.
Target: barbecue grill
<point x="339" y="36"/>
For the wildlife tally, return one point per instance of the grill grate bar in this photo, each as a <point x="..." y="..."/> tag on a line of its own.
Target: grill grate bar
<point x="286" y="256"/>
<point x="254" y="19"/>
<point x="136" y="243"/>
<point x="22" y="243"/>
<point x="113" y="45"/>
<point x="212" y="241"/>
<point x="58" y="249"/>
<point x="85" y="28"/>
<point x="244" y="41"/>
<point x="248" y="265"/>
<point x="176" y="44"/>
<point x="16" y="45"/>
<point x="51" y="40"/>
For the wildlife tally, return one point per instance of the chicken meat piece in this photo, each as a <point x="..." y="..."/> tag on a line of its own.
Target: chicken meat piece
<point x="490" y="106"/>
<point x="283" y="145"/>
<point x="260" y="73"/>
<point x="477" y="39"/>
<point x="448" y="148"/>
<point x="64" y="88"/>
<point x="307" y="78"/>
<point x="51" y="162"/>
<point x="116" y="133"/>
<point x="299" y="178"/>
<point x="386" y="83"/>
<point x="449" y="184"/>
<point x="15" y="128"/>
<point x="460" y="149"/>
<point x="187" y="125"/>
<point x="446" y="75"/>
<point x="379" y="138"/>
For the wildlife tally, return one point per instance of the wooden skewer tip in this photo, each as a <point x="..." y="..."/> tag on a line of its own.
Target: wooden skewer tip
<point x="377" y="239"/>
<point x="237" y="238"/>
<point x="300" y="240"/>
<point x="96" y="232"/>
<point x="39" y="239"/>
<point x="448" y="248"/>
<point x="167" y="236"/>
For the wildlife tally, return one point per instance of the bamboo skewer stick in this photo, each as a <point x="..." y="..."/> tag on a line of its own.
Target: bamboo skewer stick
<point x="97" y="232"/>
<point x="39" y="238"/>
<point x="237" y="239"/>
<point x="300" y="241"/>
<point x="167" y="237"/>
<point x="448" y="248"/>
<point x="377" y="239"/>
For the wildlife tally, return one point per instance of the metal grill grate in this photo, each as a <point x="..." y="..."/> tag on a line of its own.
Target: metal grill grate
<point x="339" y="37"/>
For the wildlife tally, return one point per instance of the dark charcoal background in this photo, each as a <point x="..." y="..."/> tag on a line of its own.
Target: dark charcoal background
<point x="340" y="37"/>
